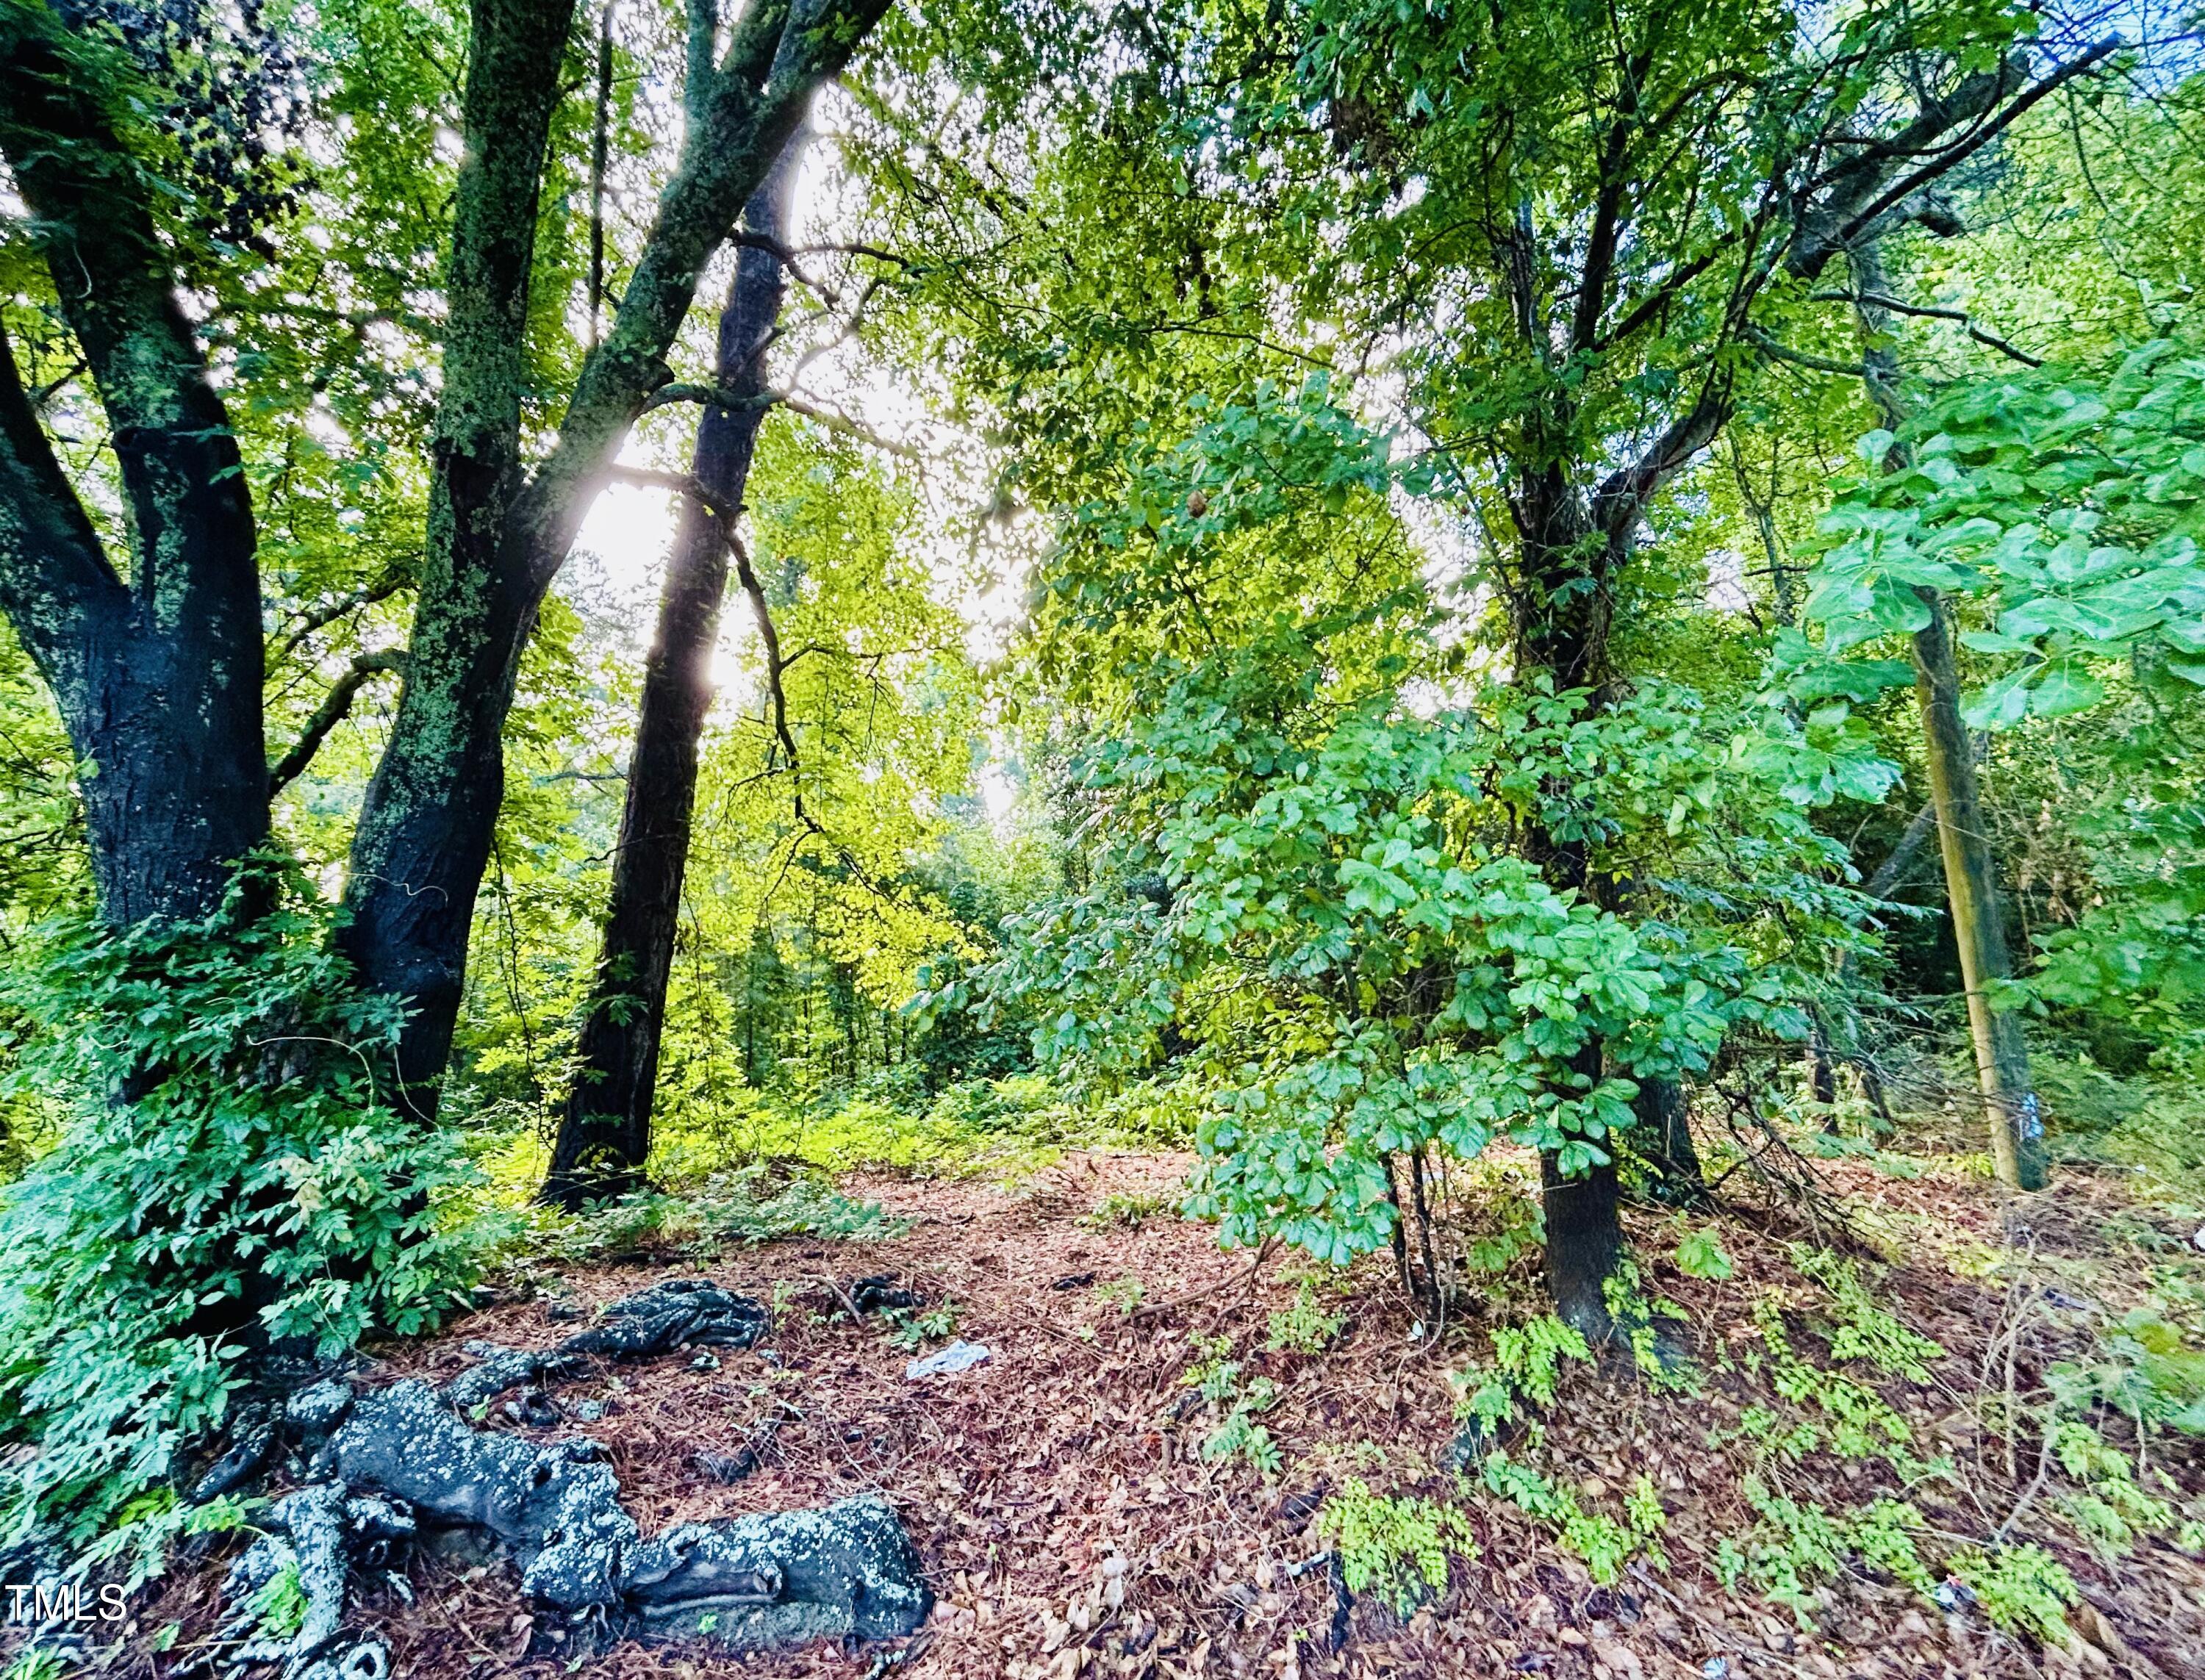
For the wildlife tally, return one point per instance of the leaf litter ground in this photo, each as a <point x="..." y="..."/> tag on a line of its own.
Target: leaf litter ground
<point x="1071" y="1527"/>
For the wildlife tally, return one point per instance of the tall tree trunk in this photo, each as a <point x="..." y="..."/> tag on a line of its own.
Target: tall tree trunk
<point x="498" y="534"/>
<point x="1562" y="617"/>
<point x="157" y="676"/>
<point x="604" y="1133"/>
<point x="1978" y="926"/>
<point x="424" y="836"/>
<point x="2002" y="1054"/>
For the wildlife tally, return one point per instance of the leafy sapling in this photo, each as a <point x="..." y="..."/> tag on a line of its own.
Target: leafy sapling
<point x="1306" y="1327"/>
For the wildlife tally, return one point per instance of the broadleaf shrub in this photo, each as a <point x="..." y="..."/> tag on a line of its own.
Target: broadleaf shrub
<point x="229" y="1176"/>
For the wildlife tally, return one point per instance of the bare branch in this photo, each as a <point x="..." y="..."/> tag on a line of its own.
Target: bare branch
<point x="1966" y="321"/>
<point x="330" y="611"/>
<point x="1942" y="162"/>
<point x="335" y="707"/>
<point x="735" y="402"/>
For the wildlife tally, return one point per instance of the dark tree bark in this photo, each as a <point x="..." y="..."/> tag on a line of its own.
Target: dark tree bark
<point x="497" y="535"/>
<point x="1663" y="1132"/>
<point x="1585" y="1243"/>
<point x="604" y="1134"/>
<point x="157" y="675"/>
<point x="1574" y="533"/>
<point x="157" y="665"/>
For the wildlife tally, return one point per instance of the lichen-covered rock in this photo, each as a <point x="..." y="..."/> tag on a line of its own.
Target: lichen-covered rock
<point x="317" y="1532"/>
<point x="749" y="1584"/>
<point x="503" y="1368"/>
<point x="679" y="1313"/>
<point x="558" y="1506"/>
<point x="755" y="1583"/>
<point x="311" y="1414"/>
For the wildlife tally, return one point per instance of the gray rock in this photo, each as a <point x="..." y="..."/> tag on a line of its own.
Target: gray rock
<point x="957" y="1356"/>
<point x="367" y="1658"/>
<point x="312" y="1413"/>
<point x="751" y="1583"/>
<point x="318" y="1531"/>
<point x="757" y="1583"/>
<point x="558" y="1506"/>
<point x="503" y="1368"/>
<point x="681" y="1312"/>
<point x="252" y="1442"/>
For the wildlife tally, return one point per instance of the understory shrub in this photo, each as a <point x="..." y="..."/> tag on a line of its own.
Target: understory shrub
<point x="227" y="1176"/>
<point x="746" y="1205"/>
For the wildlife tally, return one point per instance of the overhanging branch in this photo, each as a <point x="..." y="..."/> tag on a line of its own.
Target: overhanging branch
<point x="736" y="403"/>
<point x="1784" y="353"/>
<point x="1967" y="321"/>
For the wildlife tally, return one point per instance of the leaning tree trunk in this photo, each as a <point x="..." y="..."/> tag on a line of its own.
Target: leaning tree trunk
<point x="604" y="1133"/>
<point x="2002" y="1054"/>
<point x="1978" y="928"/>
<point x="157" y="677"/>
<point x="499" y="532"/>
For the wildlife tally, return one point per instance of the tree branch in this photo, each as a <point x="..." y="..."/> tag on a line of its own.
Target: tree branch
<point x="1892" y="869"/>
<point x="335" y="707"/>
<point x="56" y="580"/>
<point x="1784" y="353"/>
<point x="1943" y="163"/>
<point x="330" y="611"/>
<point x="1896" y="307"/>
<point x="781" y="49"/>
<point x="736" y="403"/>
<point x="1623" y="496"/>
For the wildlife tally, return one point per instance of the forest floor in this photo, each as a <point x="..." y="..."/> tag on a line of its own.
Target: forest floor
<point x="1069" y="1525"/>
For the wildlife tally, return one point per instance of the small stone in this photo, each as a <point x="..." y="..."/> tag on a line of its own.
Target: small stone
<point x="957" y="1356"/>
<point x="705" y="1361"/>
<point x="1952" y="1596"/>
<point x="590" y="1411"/>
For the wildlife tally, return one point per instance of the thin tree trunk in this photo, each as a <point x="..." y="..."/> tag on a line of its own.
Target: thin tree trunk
<point x="604" y="1134"/>
<point x="1978" y="927"/>
<point x="2017" y="1129"/>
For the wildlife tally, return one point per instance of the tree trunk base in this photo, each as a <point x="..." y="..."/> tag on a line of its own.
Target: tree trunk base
<point x="1584" y="1245"/>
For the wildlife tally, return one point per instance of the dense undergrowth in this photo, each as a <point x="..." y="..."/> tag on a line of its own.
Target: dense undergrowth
<point x="229" y="1181"/>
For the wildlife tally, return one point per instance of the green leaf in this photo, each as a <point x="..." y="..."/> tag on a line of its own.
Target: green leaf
<point x="2001" y="706"/>
<point x="1701" y="1255"/>
<point x="2064" y="689"/>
